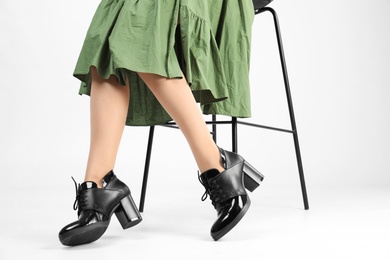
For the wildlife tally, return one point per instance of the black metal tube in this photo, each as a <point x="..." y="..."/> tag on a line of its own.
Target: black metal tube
<point x="234" y="135"/>
<point x="214" y="127"/>
<point x="146" y="169"/>
<point x="170" y="126"/>
<point x="290" y="106"/>
<point x="265" y="127"/>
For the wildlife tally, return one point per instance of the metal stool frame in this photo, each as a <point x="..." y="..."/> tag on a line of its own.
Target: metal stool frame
<point x="234" y="123"/>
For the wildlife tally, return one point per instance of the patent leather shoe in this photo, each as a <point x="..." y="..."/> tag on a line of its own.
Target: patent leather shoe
<point x="95" y="207"/>
<point x="227" y="191"/>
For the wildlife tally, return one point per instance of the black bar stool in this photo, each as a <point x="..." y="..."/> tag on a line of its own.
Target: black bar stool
<point x="260" y="7"/>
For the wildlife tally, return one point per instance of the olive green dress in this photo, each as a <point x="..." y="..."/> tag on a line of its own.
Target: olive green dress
<point x="210" y="46"/>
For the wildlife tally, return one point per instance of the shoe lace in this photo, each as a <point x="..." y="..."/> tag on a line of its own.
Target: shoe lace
<point x="213" y="190"/>
<point x="80" y="200"/>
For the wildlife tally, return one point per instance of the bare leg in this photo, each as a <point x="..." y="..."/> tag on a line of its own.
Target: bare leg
<point x="177" y="99"/>
<point x="109" y="105"/>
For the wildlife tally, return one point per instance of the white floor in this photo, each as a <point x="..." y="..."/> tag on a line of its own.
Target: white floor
<point x="338" y="58"/>
<point x="342" y="223"/>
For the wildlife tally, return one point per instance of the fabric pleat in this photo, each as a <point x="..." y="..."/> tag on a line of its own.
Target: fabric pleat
<point x="210" y="46"/>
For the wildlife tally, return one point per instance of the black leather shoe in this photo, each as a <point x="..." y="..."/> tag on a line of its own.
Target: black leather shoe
<point x="95" y="208"/>
<point x="227" y="191"/>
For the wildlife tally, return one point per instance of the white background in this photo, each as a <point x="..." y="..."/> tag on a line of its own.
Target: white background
<point x="338" y="62"/>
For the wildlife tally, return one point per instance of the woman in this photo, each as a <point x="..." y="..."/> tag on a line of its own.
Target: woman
<point x="148" y="62"/>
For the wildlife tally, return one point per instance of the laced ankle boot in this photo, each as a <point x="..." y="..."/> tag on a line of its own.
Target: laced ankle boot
<point x="95" y="207"/>
<point x="227" y="191"/>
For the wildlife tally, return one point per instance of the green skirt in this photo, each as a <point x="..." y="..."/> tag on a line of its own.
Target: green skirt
<point x="210" y="46"/>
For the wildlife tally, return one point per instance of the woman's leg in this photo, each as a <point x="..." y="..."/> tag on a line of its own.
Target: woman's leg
<point x="109" y="105"/>
<point x="177" y="99"/>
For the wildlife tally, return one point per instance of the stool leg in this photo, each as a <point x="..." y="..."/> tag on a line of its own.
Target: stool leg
<point x="146" y="169"/>
<point x="290" y="107"/>
<point x="214" y="127"/>
<point x="234" y="135"/>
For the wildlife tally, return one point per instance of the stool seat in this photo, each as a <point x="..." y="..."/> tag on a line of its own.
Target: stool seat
<point x="258" y="4"/>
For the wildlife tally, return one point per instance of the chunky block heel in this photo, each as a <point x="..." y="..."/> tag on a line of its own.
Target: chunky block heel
<point x="252" y="177"/>
<point x="127" y="213"/>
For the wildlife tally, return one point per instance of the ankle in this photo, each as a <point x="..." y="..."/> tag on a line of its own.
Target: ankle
<point x="96" y="178"/>
<point x="96" y="174"/>
<point x="99" y="182"/>
<point x="211" y="161"/>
